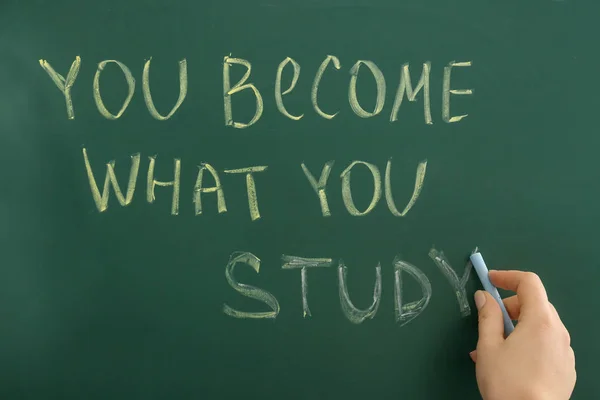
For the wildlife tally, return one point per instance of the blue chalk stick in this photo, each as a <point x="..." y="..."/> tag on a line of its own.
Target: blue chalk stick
<point x="483" y="274"/>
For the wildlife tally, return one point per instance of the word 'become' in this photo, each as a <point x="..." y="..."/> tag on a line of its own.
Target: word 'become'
<point x="405" y="87"/>
<point x="200" y="188"/>
<point x="404" y="311"/>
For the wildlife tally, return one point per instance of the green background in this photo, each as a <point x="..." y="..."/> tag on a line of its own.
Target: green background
<point x="128" y="303"/>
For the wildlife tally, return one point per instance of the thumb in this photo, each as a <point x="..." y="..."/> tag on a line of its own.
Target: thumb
<point x="491" y="327"/>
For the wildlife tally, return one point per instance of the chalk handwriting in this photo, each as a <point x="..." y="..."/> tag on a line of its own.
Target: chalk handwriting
<point x="405" y="86"/>
<point x="457" y="284"/>
<point x="320" y="186"/>
<point x="420" y="178"/>
<point x="110" y="179"/>
<point x="250" y="187"/>
<point x="293" y="262"/>
<point x="315" y="87"/>
<point x="183" y="86"/>
<point x="354" y="314"/>
<point x="98" y="97"/>
<point x="347" y="191"/>
<point x="64" y="85"/>
<point x="248" y="290"/>
<point x="278" y="94"/>
<point x="238" y="87"/>
<point x="152" y="183"/>
<point x="379" y="80"/>
<point x="406" y="312"/>
<point x="199" y="189"/>
<point x="447" y="91"/>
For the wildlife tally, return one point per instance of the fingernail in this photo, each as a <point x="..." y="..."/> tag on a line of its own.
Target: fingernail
<point x="472" y="355"/>
<point x="479" y="299"/>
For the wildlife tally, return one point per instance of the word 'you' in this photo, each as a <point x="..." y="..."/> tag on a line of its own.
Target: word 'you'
<point x="405" y="87"/>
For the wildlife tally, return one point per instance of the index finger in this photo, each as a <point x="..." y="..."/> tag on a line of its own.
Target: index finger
<point x="528" y="286"/>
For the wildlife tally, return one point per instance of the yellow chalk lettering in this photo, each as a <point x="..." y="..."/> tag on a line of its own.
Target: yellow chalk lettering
<point x="199" y="189"/>
<point x="320" y="186"/>
<point x="152" y="183"/>
<point x="183" y="85"/>
<point x="238" y="87"/>
<point x="315" y="87"/>
<point x="250" y="187"/>
<point x="111" y="179"/>
<point x="64" y="85"/>
<point x="379" y="80"/>
<point x="389" y="198"/>
<point x="98" y="97"/>
<point x="279" y="94"/>
<point x="446" y="91"/>
<point x="405" y="86"/>
<point x="347" y="191"/>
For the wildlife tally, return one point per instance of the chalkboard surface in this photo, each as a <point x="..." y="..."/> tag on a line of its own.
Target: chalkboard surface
<point x="277" y="199"/>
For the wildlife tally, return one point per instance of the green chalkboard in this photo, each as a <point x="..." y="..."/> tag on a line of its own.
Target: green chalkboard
<point x="277" y="199"/>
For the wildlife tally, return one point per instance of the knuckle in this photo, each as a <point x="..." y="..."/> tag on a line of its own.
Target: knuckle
<point x="549" y="329"/>
<point x="546" y="325"/>
<point x="545" y="319"/>
<point x="532" y="277"/>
